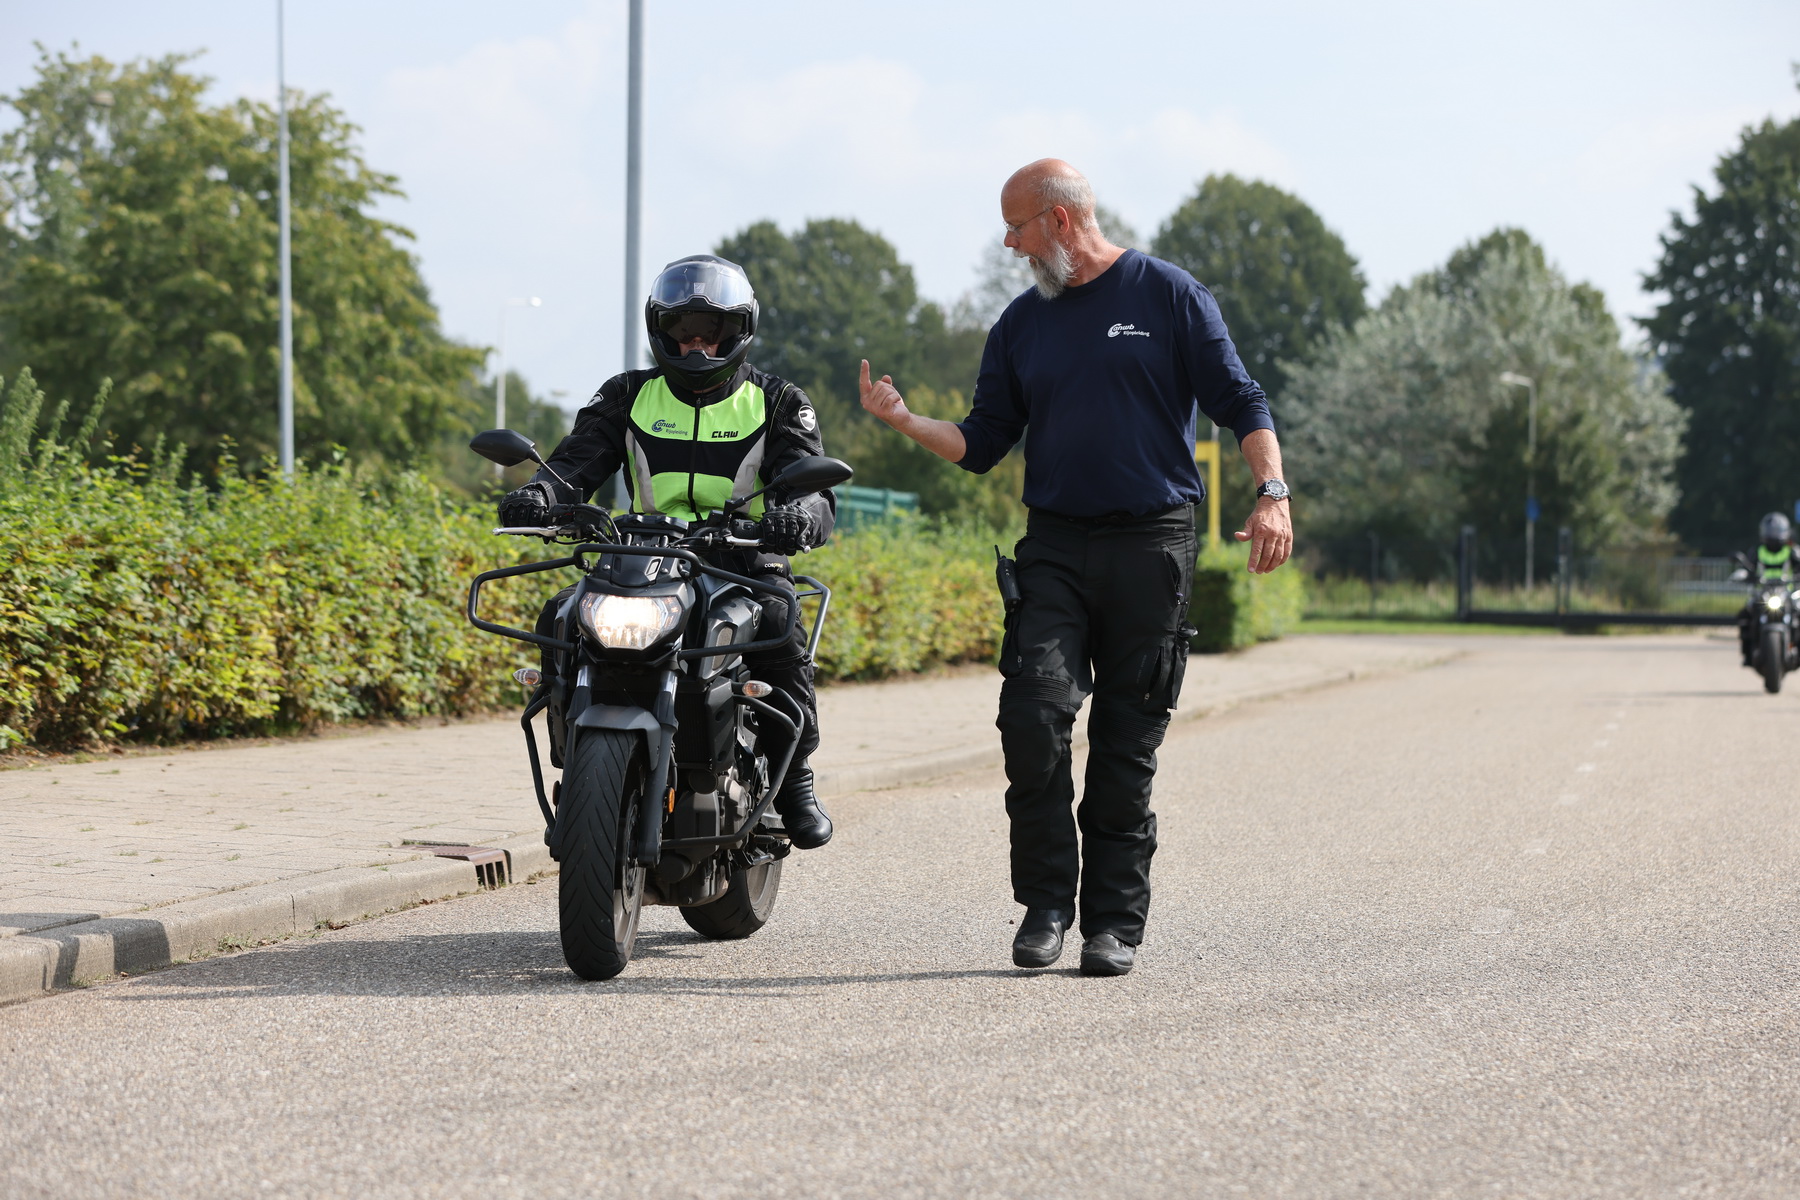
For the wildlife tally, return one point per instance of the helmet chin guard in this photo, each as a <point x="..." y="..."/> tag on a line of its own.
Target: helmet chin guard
<point x="701" y="285"/>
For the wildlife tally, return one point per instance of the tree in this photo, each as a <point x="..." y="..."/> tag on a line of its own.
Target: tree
<point x="1402" y="426"/>
<point x="139" y="242"/>
<point x="832" y="295"/>
<point x="536" y="417"/>
<point x="1282" y="279"/>
<point x="1729" y="338"/>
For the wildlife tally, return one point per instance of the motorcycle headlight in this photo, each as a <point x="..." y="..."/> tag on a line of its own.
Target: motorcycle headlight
<point x="1775" y="601"/>
<point x="629" y="622"/>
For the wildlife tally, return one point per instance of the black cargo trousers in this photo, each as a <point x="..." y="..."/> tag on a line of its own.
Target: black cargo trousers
<point x="1102" y="612"/>
<point x="787" y="666"/>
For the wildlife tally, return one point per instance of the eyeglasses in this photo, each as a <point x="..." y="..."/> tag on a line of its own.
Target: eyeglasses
<point x="1013" y="230"/>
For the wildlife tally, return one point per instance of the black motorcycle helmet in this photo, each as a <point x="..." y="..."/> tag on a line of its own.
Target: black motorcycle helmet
<point x="1774" y="530"/>
<point x="700" y="296"/>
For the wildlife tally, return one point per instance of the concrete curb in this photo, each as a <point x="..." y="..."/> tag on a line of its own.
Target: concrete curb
<point x="35" y="964"/>
<point x="38" y="963"/>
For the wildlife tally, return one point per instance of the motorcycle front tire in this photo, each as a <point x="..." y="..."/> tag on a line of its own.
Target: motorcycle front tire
<point x="1773" y="658"/>
<point x="599" y="895"/>
<point x="746" y="906"/>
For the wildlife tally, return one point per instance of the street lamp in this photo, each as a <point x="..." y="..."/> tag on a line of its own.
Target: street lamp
<point x="500" y="374"/>
<point x="1531" y="505"/>
<point x="284" y="403"/>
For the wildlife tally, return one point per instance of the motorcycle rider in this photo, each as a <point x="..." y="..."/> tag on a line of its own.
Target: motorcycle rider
<point x="701" y="427"/>
<point x="1774" y="560"/>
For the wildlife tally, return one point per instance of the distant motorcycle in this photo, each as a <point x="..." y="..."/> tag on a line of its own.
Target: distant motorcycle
<point x="666" y="788"/>
<point x="1770" y="611"/>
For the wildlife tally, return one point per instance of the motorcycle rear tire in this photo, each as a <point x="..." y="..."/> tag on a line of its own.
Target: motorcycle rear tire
<point x="746" y="906"/>
<point x="599" y="895"/>
<point x="1773" y="658"/>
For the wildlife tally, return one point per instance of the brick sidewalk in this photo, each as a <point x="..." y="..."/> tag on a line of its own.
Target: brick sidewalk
<point x="102" y="839"/>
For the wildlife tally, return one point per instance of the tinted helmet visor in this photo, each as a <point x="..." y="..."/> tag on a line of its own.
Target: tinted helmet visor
<point x="713" y="328"/>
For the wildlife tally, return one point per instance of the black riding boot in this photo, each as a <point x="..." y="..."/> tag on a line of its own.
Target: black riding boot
<point x="808" y="826"/>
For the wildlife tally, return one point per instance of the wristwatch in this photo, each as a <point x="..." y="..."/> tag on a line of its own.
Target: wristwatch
<point x="1274" y="489"/>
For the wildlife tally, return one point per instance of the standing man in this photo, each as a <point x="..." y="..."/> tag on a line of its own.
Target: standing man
<point x="1104" y="360"/>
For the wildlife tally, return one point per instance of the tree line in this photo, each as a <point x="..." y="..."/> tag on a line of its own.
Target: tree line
<point x="137" y="243"/>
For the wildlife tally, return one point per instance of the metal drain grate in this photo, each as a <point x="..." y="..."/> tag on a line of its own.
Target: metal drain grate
<point x="490" y="864"/>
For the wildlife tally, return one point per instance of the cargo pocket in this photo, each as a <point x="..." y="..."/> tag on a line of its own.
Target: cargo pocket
<point x="1165" y="667"/>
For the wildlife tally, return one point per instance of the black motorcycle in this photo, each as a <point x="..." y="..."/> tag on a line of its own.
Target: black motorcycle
<point x="1774" y="650"/>
<point x="654" y="721"/>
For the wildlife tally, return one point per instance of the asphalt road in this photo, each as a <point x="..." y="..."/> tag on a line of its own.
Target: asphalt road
<point x="1520" y="925"/>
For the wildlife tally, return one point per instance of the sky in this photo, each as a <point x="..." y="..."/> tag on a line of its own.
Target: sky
<point x="1411" y="128"/>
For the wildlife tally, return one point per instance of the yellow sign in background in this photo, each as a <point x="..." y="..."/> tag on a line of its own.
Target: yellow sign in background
<point x="1208" y="453"/>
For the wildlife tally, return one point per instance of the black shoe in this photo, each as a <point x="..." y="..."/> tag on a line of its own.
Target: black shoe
<point x="808" y="827"/>
<point x="1104" y="954"/>
<point x="1040" y="938"/>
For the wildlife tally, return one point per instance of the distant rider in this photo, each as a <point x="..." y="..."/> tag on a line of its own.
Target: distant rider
<point x="700" y="428"/>
<point x="1774" y="561"/>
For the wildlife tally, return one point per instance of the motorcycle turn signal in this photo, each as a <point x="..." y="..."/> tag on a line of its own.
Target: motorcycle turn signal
<point x="528" y="676"/>
<point x="756" y="689"/>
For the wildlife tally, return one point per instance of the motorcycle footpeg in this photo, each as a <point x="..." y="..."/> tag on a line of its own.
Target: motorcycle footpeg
<point x="771" y="846"/>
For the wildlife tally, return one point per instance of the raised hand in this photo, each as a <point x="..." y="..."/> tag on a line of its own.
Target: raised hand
<point x="882" y="399"/>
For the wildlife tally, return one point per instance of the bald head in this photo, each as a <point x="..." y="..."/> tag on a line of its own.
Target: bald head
<point x="1051" y="182"/>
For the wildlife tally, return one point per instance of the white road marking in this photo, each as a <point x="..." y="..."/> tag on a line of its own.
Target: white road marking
<point x="1541" y="846"/>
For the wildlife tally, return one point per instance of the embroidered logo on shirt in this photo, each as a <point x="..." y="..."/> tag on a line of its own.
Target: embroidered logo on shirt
<point x="665" y="427"/>
<point x="1128" y="331"/>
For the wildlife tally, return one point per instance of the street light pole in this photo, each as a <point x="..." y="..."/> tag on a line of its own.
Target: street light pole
<point x="286" y="402"/>
<point x="1531" y="504"/>
<point x="634" y="180"/>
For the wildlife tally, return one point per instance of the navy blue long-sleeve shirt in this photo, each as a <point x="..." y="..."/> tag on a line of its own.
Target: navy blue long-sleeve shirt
<point x="1107" y="376"/>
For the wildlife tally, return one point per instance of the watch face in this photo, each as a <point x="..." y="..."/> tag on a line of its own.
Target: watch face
<point x="1274" y="489"/>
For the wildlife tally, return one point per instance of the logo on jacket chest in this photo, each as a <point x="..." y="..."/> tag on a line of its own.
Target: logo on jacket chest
<point x="666" y="427"/>
<point x="1127" y="331"/>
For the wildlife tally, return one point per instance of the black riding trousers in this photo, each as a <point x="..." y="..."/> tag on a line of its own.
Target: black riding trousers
<point x="1102" y="613"/>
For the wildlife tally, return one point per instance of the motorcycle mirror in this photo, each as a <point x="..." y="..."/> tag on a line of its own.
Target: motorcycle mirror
<point x="505" y="447"/>
<point x="814" y="473"/>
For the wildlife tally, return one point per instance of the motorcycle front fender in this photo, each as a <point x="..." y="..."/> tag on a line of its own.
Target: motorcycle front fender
<point x="647" y="838"/>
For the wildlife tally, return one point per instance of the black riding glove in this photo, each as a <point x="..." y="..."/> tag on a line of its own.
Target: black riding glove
<point x="527" y="506"/>
<point x="787" y="529"/>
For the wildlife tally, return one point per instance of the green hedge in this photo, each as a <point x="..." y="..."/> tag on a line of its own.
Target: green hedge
<point x="1233" y="609"/>
<point x="907" y="595"/>
<point x="138" y="606"/>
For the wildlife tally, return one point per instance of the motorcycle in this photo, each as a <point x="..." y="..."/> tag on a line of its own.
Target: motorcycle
<point x="1774" y="649"/>
<point x="653" y="719"/>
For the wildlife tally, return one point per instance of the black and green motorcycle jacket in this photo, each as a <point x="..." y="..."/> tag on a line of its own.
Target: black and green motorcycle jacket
<point x="685" y="454"/>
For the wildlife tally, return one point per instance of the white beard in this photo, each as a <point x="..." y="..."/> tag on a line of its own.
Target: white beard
<point x="1051" y="274"/>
